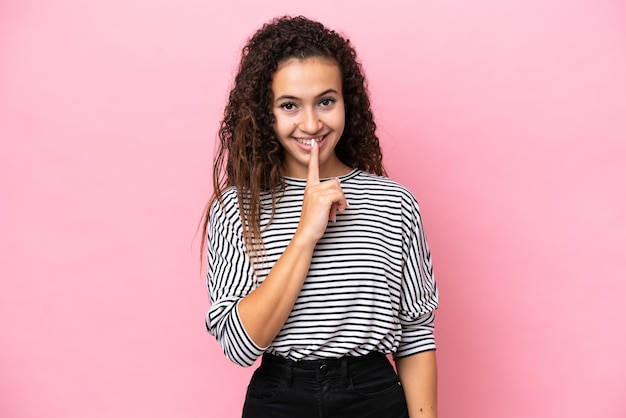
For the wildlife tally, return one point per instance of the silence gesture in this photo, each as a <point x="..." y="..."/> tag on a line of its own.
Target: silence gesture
<point x="322" y="200"/>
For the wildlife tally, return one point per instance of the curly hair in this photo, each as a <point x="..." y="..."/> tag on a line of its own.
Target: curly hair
<point x="249" y="155"/>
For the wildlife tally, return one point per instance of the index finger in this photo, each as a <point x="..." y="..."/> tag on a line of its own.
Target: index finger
<point x="313" y="176"/>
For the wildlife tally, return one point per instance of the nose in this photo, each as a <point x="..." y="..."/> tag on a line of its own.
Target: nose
<point x="310" y="121"/>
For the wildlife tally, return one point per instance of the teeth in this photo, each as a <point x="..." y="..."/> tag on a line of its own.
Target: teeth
<point x="308" y="141"/>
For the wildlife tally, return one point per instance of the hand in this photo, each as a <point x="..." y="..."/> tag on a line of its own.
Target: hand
<point x="322" y="201"/>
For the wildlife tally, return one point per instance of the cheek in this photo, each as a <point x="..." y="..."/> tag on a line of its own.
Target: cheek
<point x="282" y="126"/>
<point x="338" y="121"/>
<point x="339" y="117"/>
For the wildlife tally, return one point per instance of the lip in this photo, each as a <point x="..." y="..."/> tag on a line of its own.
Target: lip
<point x="307" y="148"/>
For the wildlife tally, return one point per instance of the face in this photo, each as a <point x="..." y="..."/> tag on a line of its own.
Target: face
<point x="308" y="105"/>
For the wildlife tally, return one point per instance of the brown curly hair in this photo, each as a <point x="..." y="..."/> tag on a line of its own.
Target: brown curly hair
<point x="249" y="156"/>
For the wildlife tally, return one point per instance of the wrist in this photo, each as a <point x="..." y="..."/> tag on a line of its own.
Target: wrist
<point x="303" y="242"/>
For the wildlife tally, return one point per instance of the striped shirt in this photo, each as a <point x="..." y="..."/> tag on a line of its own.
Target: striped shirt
<point x="370" y="286"/>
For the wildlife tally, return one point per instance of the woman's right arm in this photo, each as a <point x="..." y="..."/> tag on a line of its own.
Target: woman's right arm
<point x="263" y="311"/>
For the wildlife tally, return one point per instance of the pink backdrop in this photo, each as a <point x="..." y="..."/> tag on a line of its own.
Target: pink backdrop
<point x="506" y="118"/>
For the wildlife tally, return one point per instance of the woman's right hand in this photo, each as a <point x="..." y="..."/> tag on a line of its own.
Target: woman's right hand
<point x="264" y="310"/>
<point x="322" y="201"/>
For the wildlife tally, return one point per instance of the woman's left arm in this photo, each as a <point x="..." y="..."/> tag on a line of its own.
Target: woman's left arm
<point x="418" y="375"/>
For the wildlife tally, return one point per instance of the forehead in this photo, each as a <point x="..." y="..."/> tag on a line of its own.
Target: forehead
<point x="306" y="75"/>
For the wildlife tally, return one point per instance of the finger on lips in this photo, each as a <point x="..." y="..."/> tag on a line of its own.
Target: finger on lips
<point x="313" y="176"/>
<point x="313" y="179"/>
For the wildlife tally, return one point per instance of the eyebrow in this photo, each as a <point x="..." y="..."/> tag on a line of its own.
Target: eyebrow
<point x="289" y="97"/>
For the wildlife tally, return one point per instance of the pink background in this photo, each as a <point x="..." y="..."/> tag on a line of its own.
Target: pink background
<point x="506" y="118"/>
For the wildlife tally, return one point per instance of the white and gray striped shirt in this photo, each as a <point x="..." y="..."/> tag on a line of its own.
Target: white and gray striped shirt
<point x="370" y="286"/>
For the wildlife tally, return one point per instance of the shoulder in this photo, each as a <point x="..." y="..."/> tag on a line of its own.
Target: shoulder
<point x="226" y="207"/>
<point x="380" y="185"/>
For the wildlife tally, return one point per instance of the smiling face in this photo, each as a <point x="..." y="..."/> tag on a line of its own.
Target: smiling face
<point x="308" y="105"/>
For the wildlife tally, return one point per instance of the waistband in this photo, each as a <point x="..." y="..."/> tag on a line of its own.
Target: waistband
<point x="316" y="364"/>
<point x="332" y="368"/>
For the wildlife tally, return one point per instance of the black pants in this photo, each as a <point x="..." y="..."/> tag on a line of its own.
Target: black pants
<point x="360" y="387"/>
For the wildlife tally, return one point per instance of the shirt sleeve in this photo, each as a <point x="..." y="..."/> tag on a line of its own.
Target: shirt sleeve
<point x="420" y="296"/>
<point x="229" y="279"/>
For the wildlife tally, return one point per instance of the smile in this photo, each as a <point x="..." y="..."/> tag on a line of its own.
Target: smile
<point x="309" y="141"/>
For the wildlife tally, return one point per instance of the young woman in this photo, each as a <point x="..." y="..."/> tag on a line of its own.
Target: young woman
<point x="316" y="261"/>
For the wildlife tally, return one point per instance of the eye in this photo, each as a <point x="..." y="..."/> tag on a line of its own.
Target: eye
<point x="327" y="102"/>
<point x="288" y="106"/>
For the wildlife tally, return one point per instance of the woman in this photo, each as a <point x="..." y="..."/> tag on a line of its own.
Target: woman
<point x="316" y="261"/>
